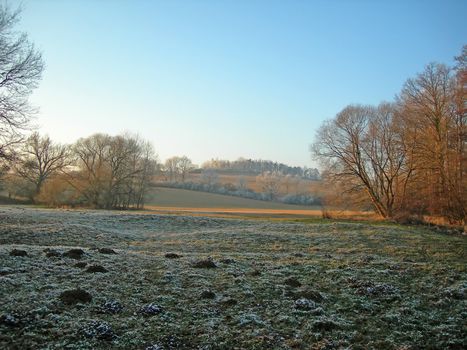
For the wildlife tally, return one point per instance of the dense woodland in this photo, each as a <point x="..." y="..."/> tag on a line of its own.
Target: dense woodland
<point x="408" y="157"/>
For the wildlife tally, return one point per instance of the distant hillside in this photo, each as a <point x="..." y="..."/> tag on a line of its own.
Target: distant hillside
<point x="252" y="179"/>
<point x="244" y="166"/>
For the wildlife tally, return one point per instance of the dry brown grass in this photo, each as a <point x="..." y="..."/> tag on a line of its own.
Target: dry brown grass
<point x="180" y="201"/>
<point x="263" y="212"/>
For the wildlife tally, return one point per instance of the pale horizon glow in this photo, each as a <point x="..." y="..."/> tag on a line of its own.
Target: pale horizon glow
<point x="228" y="79"/>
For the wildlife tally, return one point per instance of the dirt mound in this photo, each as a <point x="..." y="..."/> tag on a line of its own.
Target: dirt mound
<point x="80" y="265"/>
<point x="74" y="296"/>
<point x="10" y="320"/>
<point x="18" y="252"/>
<point x="204" y="264"/>
<point x="207" y="294"/>
<point x="51" y="253"/>
<point x="255" y="273"/>
<point x="96" y="268"/>
<point x="293" y="282"/>
<point x="325" y="324"/>
<point x="74" y="253"/>
<point x="107" y="251"/>
<point x="6" y="271"/>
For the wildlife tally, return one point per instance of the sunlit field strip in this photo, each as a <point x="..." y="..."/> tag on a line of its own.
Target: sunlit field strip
<point x="262" y="212"/>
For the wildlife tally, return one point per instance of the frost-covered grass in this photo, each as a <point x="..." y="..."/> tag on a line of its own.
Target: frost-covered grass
<point x="277" y="284"/>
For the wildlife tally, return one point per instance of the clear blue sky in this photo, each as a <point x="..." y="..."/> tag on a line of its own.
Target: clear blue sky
<point x="228" y="78"/>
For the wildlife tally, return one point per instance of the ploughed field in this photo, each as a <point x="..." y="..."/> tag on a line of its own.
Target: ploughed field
<point x="96" y="279"/>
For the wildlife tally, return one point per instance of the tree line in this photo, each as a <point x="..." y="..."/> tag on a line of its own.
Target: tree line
<point x="177" y="168"/>
<point x="408" y="156"/>
<point x="99" y="171"/>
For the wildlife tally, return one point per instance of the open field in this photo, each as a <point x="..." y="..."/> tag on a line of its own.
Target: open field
<point x="234" y="284"/>
<point x="174" y="197"/>
<point x="164" y="200"/>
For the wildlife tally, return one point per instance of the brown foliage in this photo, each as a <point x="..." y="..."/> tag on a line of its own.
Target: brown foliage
<point x="408" y="158"/>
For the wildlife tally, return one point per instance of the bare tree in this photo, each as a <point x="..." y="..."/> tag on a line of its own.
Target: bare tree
<point x="147" y="164"/>
<point x="291" y="183"/>
<point x="178" y="167"/>
<point x="21" y="67"/>
<point x="92" y="168"/>
<point x="113" y="171"/>
<point x="40" y="159"/>
<point x="185" y="165"/>
<point x="171" y="166"/>
<point x="242" y="183"/>
<point x="132" y="163"/>
<point x="210" y="178"/>
<point x="270" y="182"/>
<point x="362" y="148"/>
